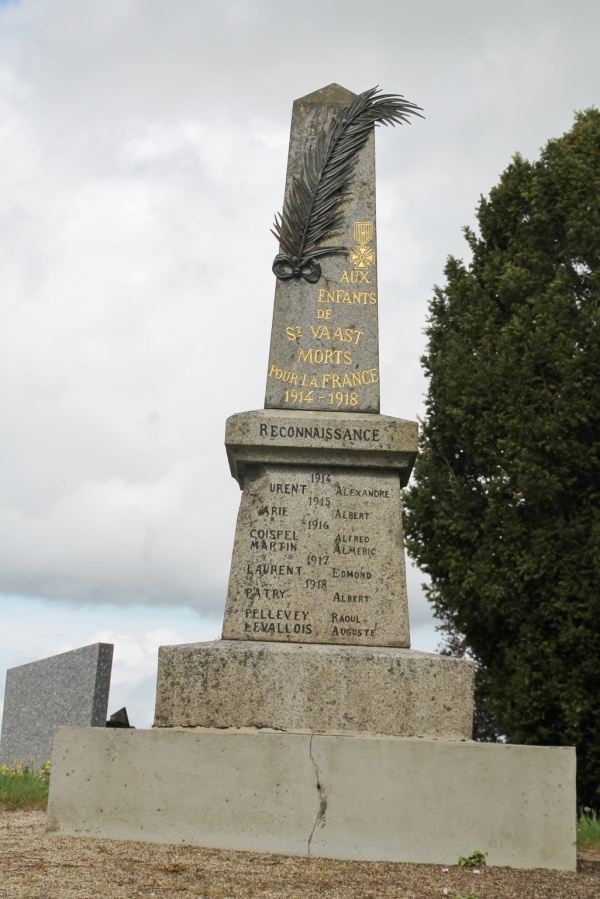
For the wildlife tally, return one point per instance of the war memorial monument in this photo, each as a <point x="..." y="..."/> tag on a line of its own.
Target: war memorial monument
<point x="311" y="727"/>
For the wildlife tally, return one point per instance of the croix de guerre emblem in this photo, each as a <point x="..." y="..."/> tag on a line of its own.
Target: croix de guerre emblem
<point x="362" y="256"/>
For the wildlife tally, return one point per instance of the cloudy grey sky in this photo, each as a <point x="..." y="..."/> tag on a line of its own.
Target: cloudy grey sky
<point x="142" y="156"/>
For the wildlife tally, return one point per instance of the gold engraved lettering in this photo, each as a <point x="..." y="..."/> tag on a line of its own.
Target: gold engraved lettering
<point x="353" y="379"/>
<point x="325" y="296"/>
<point x="298" y="396"/>
<point x="339" y="398"/>
<point x="293" y="332"/>
<point x="344" y="335"/>
<point x="325" y="357"/>
<point x="280" y="374"/>
<point x="362" y="298"/>
<point x="324" y="313"/>
<point x="355" y="277"/>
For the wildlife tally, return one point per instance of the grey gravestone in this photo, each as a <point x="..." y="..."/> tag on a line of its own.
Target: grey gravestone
<point x="66" y="689"/>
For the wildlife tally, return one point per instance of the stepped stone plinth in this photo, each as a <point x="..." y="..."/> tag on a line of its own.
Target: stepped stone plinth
<point x="314" y="688"/>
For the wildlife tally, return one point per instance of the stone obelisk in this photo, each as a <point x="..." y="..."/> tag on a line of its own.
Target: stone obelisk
<point x="316" y="632"/>
<point x="324" y="353"/>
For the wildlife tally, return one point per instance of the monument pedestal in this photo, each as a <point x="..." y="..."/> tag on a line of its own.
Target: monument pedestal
<point x="305" y="741"/>
<point x="319" y="553"/>
<point x="320" y="689"/>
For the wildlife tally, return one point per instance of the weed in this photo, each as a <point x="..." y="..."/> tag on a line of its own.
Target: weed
<point x="474" y="860"/>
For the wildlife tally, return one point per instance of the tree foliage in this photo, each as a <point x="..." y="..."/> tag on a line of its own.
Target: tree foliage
<point x="504" y="512"/>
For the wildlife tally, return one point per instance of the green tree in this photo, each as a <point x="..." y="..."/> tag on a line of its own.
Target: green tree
<point x="504" y="513"/>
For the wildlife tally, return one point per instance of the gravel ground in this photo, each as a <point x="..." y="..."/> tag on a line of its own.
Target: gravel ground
<point x="36" y="866"/>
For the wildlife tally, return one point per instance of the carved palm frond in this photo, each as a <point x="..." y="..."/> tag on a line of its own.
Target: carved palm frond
<point x="314" y="205"/>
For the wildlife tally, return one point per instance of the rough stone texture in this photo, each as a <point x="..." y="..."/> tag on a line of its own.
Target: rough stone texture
<point x="66" y="689"/>
<point x="324" y="350"/>
<point x="318" y="558"/>
<point x="369" y="798"/>
<point x="320" y="438"/>
<point x="315" y="688"/>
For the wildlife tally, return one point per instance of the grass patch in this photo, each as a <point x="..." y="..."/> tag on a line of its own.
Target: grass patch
<point x="588" y="830"/>
<point x="22" y="786"/>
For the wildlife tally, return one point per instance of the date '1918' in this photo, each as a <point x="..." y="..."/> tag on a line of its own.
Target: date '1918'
<point x="336" y="398"/>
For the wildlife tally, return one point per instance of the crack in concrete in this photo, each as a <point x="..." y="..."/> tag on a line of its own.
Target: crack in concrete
<point x="321" y="818"/>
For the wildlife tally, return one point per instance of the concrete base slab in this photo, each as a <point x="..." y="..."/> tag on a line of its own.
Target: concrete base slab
<point x="323" y="689"/>
<point x="344" y="797"/>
